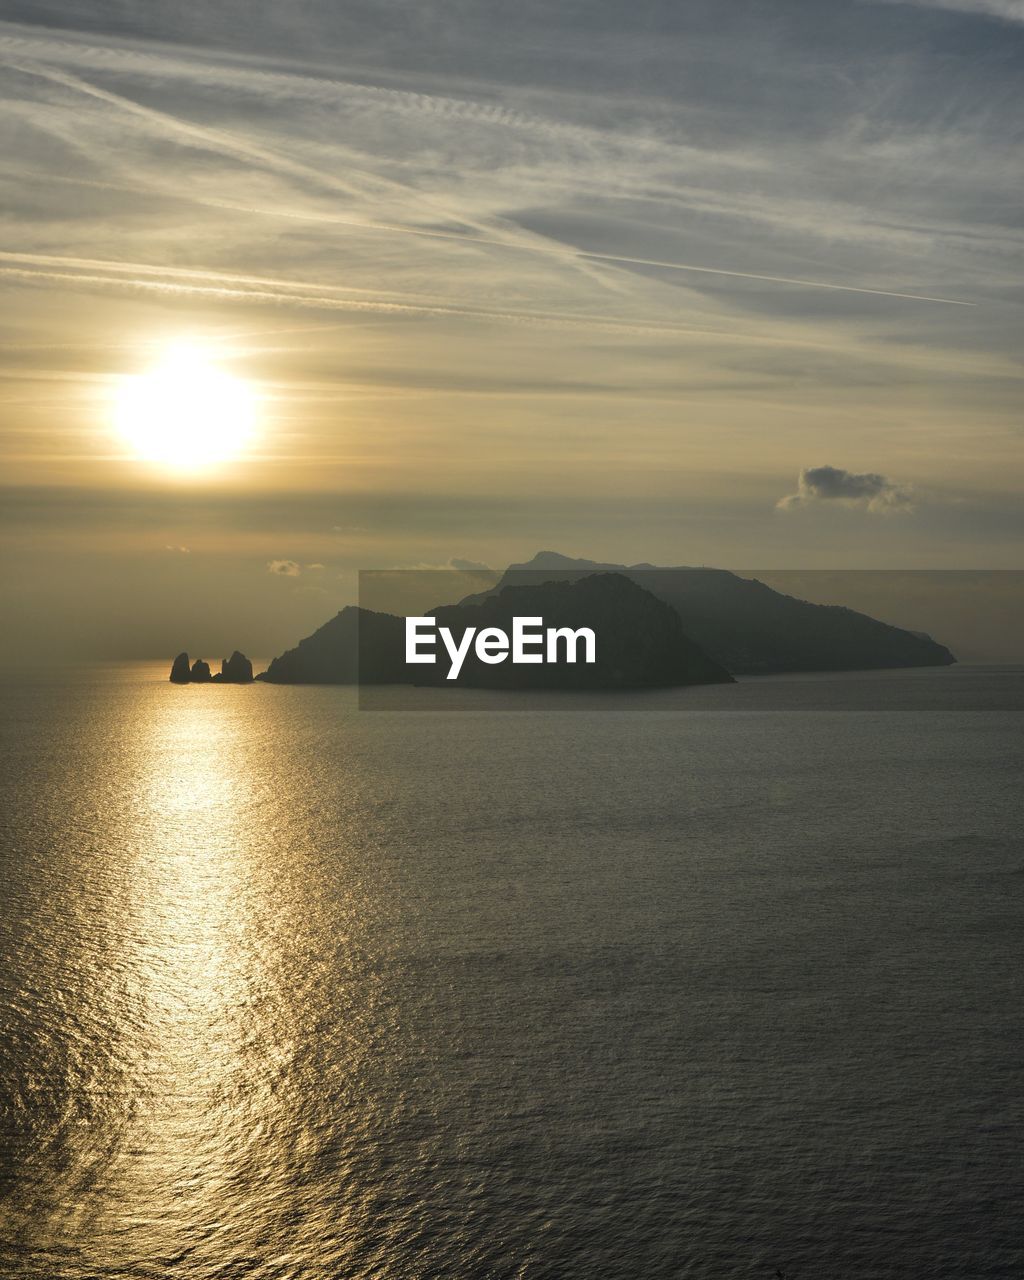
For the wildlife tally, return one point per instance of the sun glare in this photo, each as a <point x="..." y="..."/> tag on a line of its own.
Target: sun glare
<point x="185" y="412"/>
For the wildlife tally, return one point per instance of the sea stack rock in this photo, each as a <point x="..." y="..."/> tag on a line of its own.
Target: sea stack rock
<point x="200" y="673"/>
<point x="235" y="670"/>
<point x="180" y="673"/>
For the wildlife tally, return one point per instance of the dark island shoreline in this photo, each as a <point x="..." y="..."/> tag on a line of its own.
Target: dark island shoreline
<point x="659" y="629"/>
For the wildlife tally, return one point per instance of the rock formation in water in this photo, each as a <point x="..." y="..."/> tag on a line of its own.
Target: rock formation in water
<point x="180" y="672"/>
<point x="748" y="627"/>
<point x="640" y="643"/>
<point x="234" y="670"/>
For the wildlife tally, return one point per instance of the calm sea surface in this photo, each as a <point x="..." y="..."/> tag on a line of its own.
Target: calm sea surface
<point x="294" y="990"/>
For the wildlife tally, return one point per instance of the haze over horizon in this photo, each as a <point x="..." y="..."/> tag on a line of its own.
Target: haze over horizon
<point x="681" y="283"/>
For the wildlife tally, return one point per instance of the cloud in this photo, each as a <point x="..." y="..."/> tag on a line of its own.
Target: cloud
<point x="479" y="162"/>
<point x="1009" y="10"/>
<point x="865" y="489"/>
<point x="312" y="567"/>
<point x="285" y="568"/>
<point x="453" y="563"/>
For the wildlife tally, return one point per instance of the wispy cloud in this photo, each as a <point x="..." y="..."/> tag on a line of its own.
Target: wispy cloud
<point x="630" y="255"/>
<point x="1010" y="10"/>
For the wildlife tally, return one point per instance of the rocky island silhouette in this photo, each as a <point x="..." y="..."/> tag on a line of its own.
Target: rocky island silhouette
<point x="659" y="627"/>
<point x="234" y="670"/>
<point x="641" y="644"/>
<point x="750" y="628"/>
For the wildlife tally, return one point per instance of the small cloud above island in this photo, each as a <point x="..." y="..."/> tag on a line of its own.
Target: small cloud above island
<point x="867" y="489"/>
<point x="453" y="562"/>
<point x="291" y="568"/>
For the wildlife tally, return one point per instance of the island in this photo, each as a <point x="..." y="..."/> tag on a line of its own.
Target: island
<point x="234" y="670"/>
<point x="659" y="628"/>
<point x="748" y="627"/>
<point x="641" y="642"/>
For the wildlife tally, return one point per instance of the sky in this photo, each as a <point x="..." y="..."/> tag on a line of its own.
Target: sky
<point x="688" y="282"/>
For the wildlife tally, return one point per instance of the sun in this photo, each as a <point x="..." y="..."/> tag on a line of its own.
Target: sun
<point x="185" y="412"/>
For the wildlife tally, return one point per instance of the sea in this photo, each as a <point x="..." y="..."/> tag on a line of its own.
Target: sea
<point x="727" y="984"/>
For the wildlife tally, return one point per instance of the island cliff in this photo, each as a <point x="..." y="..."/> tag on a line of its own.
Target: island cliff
<point x="180" y="670"/>
<point x="641" y="642"/>
<point x="657" y="626"/>
<point x="748" y="627"/>
<point x="355" y="646"/>
<point x="234" y="670"/>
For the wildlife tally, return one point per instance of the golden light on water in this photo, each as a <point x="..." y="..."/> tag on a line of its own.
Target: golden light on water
<point x="207" y="1048"/>
<point x="185" y="412"/>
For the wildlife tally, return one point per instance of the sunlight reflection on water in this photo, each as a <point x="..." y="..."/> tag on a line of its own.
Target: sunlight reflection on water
<point x="294" y="992"/>
<point x="180" y="1107"/>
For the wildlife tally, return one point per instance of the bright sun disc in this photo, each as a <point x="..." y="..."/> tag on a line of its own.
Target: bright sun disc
<point x="185" y="412"/>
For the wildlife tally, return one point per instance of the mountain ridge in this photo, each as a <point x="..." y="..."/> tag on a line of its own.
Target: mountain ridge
<point x="750" y="628"/>
<point x="641" y="643"/>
